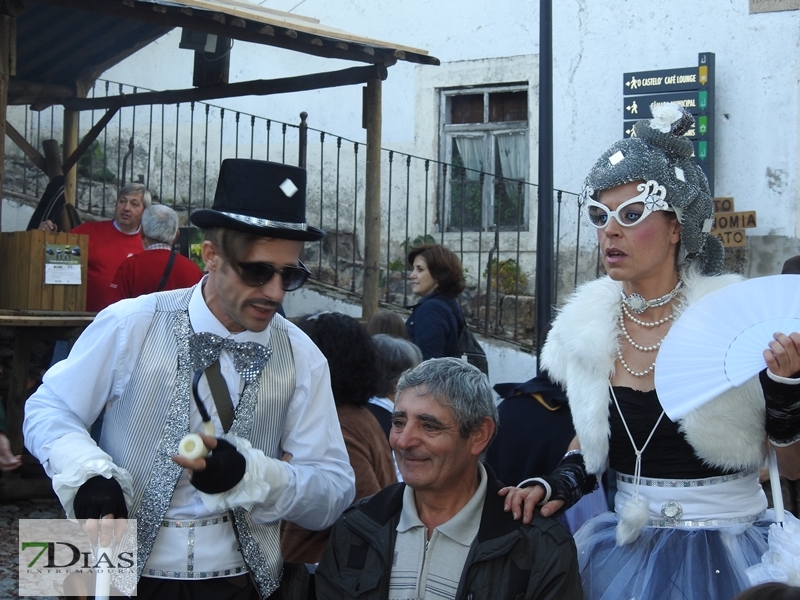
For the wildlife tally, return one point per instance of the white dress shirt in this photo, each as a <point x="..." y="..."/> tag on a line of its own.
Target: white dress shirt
<point x="320" y="482"/>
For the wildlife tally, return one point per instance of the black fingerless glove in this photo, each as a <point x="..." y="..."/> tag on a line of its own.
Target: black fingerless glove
<point x="99" y="497"/>
<point x="783" y="409"/>
<point x="569" y="481"/>
<point x="224" y="469"/>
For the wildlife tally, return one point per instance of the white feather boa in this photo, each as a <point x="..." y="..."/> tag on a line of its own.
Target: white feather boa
<point x="727" y="432"/>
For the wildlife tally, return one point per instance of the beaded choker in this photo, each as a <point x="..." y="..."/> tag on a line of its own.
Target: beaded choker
<point x="638" y="304"/>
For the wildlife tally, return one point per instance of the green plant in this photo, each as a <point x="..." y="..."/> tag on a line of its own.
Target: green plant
<point x="397" y="265"/>
<point x="420" y="239"/>
<point x="90" y="164"/>
<point x="507" y="276"/>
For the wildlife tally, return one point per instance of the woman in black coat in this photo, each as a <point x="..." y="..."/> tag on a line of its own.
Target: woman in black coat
<point x="436" y="321"/>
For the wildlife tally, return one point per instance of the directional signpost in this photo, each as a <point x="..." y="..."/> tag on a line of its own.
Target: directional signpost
<point x="690" y="87"/>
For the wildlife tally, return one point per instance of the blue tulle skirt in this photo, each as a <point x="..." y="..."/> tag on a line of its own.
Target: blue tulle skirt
<point x="668" y="563"/>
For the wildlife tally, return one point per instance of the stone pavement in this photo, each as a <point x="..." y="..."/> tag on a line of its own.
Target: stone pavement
<point x="9" y="539"/>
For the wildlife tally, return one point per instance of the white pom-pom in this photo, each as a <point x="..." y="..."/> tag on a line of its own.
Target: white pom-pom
<point x="632" y="519"/>
<point x="781" y="562"/>
<point x="664" y="116"/>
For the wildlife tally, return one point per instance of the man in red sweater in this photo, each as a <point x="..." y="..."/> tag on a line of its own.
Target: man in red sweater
<point x="158" y="267"/>
<point x="111" y="242"/>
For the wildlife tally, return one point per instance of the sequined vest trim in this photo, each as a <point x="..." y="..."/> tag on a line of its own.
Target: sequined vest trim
<point x="156" y="405"/>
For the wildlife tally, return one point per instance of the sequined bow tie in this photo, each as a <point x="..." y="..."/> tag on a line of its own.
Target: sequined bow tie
<point x="249" y="358"/>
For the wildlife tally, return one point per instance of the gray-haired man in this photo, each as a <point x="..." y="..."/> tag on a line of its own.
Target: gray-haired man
<point x="443" y="533"/>
<point x="159" y="267"/>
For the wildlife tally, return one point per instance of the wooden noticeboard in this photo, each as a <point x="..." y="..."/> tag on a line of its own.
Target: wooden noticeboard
<point x="25" y="259"/>
<point x="729" y="225"/>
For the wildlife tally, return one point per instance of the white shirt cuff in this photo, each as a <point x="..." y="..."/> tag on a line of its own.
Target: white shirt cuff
<point x="264" y="480"/>
<point x="538" y="480"/>
<point x="74" y="459"/>
<point x="779" y="379"/>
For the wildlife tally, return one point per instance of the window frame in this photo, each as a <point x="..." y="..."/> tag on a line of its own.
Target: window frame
<point x="488" y="130"/>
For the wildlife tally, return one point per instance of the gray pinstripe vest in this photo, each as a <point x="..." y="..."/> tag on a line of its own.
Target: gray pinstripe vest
<point x="155" y="405"/>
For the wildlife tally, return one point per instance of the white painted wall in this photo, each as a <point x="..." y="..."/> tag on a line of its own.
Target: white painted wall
<point x="757" y="114"/>
<point x="16" y="215"/>
<point x="594" y="44"/>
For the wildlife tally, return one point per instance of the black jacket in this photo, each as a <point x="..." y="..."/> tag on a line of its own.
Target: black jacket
<point x="507" y="560"/>
<point x="434" y="327"/>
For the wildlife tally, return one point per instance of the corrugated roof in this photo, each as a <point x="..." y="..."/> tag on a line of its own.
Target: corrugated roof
<point x="68" y="44"/>
<point x="297" y="23"/>
<point x="58" y="45"/>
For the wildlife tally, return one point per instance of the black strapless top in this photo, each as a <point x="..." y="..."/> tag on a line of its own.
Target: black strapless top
<point x="667" y="456"/>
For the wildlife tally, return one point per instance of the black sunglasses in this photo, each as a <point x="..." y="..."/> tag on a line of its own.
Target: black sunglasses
<point x="257" y="274"/>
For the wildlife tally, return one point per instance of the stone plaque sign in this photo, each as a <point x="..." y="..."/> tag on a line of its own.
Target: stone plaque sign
<point x="760" y="6"/>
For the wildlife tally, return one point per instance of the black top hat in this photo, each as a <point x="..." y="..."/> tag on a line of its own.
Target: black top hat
<point x="260" y="197"/>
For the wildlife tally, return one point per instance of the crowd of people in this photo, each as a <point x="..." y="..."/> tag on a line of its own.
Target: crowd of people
<point x="369" y="461"/>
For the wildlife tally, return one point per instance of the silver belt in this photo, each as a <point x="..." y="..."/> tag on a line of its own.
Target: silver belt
<point x="195" y="522"/>
<point x="707" y="523"/>
<point x="190" y="525"/>
<point x="684" y="483"/>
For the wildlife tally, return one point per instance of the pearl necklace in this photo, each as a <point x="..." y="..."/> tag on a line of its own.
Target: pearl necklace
<point x="649" y="324"/>
<point x="631" y="371"/>
<point x="669" y="317"/>
<point x="634" y="344"/>
<point x="638" y="304"/>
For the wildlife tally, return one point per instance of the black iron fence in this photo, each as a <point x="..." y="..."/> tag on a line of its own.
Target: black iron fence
<point x="176" y="151"/>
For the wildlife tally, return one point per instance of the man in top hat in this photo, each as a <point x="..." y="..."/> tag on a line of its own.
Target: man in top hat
<point x="212" y="357"/>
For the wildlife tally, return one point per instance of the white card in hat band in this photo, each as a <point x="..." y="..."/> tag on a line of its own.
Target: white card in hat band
<point x="289" y="188"/>
<point x="266" y="222"/>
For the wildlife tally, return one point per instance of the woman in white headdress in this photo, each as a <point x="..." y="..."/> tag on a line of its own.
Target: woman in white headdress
<point x="690" y="516"/>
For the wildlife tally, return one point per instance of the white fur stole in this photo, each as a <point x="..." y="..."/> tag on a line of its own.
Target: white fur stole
<point x="727" y="432"/>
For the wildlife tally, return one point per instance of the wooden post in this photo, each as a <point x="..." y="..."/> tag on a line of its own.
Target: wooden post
<point x="6" y="30"/>
<point x="70" y="145"/>
<point x="52" y="158"/>
<point x="372" y="216"/>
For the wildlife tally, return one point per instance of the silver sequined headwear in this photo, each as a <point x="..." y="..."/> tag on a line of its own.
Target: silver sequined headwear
<point x="657" y="151"/>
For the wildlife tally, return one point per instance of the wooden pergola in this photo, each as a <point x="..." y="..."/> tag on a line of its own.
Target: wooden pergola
<point x="53" y="51"/>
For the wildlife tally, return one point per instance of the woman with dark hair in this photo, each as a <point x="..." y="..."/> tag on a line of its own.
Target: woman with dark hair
<point x="437" y="320"/>
<point x="352" y="360"/>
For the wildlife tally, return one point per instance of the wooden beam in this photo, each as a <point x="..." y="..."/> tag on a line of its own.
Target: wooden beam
<point x="6" y="42"/>
<point x="26" y="92"/>
<point x="29" y="151"/>
<point x="372" y="194"/>
<point x="87" y="140"/>
<point x="52" y="154"/>
<point x="71" y="119"/>
<point x="260" y="87"/>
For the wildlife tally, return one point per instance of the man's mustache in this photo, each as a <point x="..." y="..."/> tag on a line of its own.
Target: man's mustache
<point x="266" y="303"/>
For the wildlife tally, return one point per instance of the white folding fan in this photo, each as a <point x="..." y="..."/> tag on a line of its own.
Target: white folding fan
<point x="718" y="343"/>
